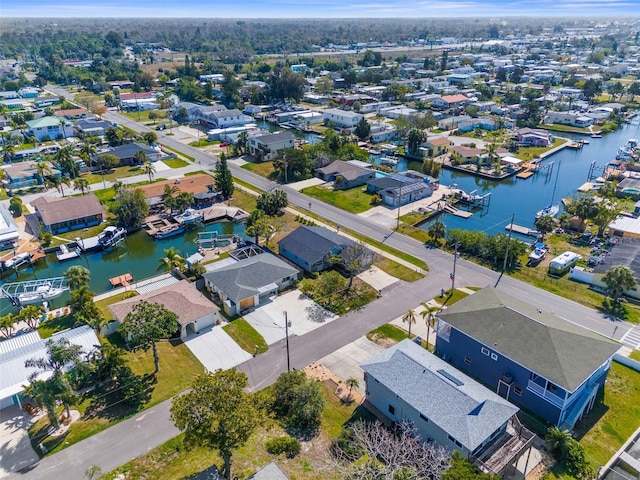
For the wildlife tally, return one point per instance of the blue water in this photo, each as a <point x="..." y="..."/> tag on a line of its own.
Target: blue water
<point x="139" y="255"/>
<point x="525" y="197"/>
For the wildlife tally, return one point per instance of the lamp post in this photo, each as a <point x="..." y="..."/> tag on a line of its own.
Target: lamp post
<point x="286" y="332"/>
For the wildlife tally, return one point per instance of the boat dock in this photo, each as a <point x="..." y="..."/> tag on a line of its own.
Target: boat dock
<point x="121" y="280"/>
<point x="528" y="170"/>
<point x="156" y="224"/>
<point x="456" y="212"/>
<point x="223" y="212"/>
<point x="530" y="232"/>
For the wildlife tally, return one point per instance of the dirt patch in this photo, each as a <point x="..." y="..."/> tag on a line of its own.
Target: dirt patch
<point x="381" y="340"/>
<point x="346" y="394"/>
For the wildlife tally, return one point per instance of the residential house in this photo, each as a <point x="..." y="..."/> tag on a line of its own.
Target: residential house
<point x="313" y="249"/>
<point x="537" y="360"/>
<point x="436" y="146"/>
<point x="343" y="120"/>
<point x="9" y="233"/>
<point x="9" y="95"/>
<point x="530" y="137"/>
<point x="382" y="132"/>
<point x="271" y="471"/>
<point x="249" y="282"/>
<point x="195" y="311"/>
<point x="85" y="128"/>
<point x="573" y="119"/>
<point x="450" y="101"/>
<point x="72" y="113"/>
<point x="50" y="128"/>
<point x="407" y="383"/>
<point x="482" y="123"/>
<point x="465" y="154"/>
<point x="16" y="350"/>
<point x="267" y="147"/>
<point x="25" y="174"/>
<point x="60" y="215"/>
<point x="29" y="92"/>
<point x="46" y="101"/>
<point x="127" y="152"/>
<point x="224" y="118"/>
<point x="401" y="188"/>
<point x="345" y="175"/>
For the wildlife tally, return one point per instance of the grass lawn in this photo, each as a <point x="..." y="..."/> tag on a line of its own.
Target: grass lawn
<point x="103" y="304"/>
<point x="414" y="232"/>
<point x="246" y="336"/>
<point x="105" y="195"/>
<point x="529" y="153"/>
<point x="635" y="355"/>
<point x="179" y="153"/>
<point x="82" y="233"/>
<point x="264" y="169"/>
<point x="203" y="142"/>
<point x="143" y="116"/>
<point x="168" y="382"/>
<point x="114" y="174"/>
<point x="566" y="128"/>
<point x="171" y="461"/>
<point x="397" y="270"/>
<point x="354" y="200"/>
<point x="387" y="335"/>
<point x="175" y="163"/>
<point x="341" y="302"/>
<point x="49" y="327"/>
<point x="451" y="299"/>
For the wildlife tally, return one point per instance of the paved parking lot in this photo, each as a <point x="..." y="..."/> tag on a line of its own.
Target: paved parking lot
<point x="345" y="362"/>
<point x="216" y="349"/>
<point x="16" y="452"/>
<point x="303" y="313"/>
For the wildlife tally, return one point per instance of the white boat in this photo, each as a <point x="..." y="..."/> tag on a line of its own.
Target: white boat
<point x="170" y="231"/>
<point x="539" y="252"/>
<point x="110" y="236"/>
<point x="16" y="260"/>
<point x="40" y="294"/>
<point x="189" y="216"/>
<point x="550" y="211"/>
<point x="389" y="161"/>
<point x="596" y="135"/>
<point x="67" y="254"/>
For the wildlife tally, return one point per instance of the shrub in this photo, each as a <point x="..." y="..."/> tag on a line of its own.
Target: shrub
<point x="286" y="444"/>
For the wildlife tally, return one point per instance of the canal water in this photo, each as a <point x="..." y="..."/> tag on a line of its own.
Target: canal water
<point x="525" y="197"/>
<point x="139" y="255"/>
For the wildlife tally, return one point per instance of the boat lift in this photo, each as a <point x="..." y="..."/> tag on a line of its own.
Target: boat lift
<point x="13" y="291"/>
<point x="215" y="239"/>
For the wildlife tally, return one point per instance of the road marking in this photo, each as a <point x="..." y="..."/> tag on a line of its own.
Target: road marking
<point x="631" y="338"/>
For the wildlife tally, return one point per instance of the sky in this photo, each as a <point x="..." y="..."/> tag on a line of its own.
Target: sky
<point x="316" y="8"/>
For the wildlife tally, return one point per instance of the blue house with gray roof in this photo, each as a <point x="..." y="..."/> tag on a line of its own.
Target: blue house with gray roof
<point x="313" y="248"/>
<point x="408" y="383"/>
<point x="537" y="360"/>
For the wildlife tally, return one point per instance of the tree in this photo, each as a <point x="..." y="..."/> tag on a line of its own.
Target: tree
<point x="558" y="440"/>
<point x="84" y="309"/>
<point x="86" y="151"/>
<point x="429" y="316"/>
<point x="352" y="383"/>
<point x="363" y="129"/>
<point x="63" y="159"/>
<point x="354" y="258"/>
<point x="298" y="400"/>
<point x="633" y="90"/>
<point x="415" y="138"/>
<point x="272" y="203"/>
<point x="230" y="86"/>
<point x="81" y="184"/>
<point x="258" y="225"/>
<point x="8" y="153"/>
<point x="31" y="315"/>
<point x="436" y="231"/>
<point x="545" y="224"/>
<point x="113" y="136"/>
<point x="242" y="142"/>
<point x="7" y="323"/>
<point x="583" y="208"/>
<point x="77" y="276"/>
<point x="591" y="88"/>
<point x="223" y="179"/>
<point x="410" y="318"/>
<point x="463" y="469"/>
<point x="130" y="207"/>
<point x="217" y="413"/>
<point x="15" y="206"/>
<point x="328" y="287"/>
<point x="149" y="169"/>
<point x="145" y="325"/>
<point x="172" y="259"/>
<point x="618" y="279"/>
<point x="140" y="157"/>
<point x="150" y="137"/>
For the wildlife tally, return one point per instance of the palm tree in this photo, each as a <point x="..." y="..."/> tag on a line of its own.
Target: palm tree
<point x="352" y="383"/>
<point x="241" y="143"/>
<point x="428" y="314"/>
<point x="436" y="231"/>
<point x="140" y="157"/>
<point x="172" y="259"/>
<point x="62" y="121"/>
<point x="409" y="317"/>
<point x="149" y="169"/>
<point x="81" y="184"/>
<point x="558" y="440"/>
<point x="77" y="276"/>
<point x="8" y="153"/>
<point x="86" y="152"/>
<point x="65" y="162"/>
<point x="41" y="393"/>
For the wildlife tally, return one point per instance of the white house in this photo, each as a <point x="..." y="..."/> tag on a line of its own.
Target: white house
<point x="266" y="147"/>
<point x="52" y="128"/>
<point x="573" y="119"/>
<point x="343" y="119"/>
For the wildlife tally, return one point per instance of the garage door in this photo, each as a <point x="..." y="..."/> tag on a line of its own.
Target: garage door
<point x="246" y="303"/>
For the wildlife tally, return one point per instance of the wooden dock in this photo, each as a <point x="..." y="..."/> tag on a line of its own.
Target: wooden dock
<point x="458" y="213"/>
<point x="522" y="230"/>
<point x="123" y="280"/>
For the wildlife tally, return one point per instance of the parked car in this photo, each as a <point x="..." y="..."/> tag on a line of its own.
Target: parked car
<point x="162" y="126"/>
<point x="225" y="144"/>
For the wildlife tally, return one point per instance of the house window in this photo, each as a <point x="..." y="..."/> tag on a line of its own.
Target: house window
<point x="485" y="351"/>
<point x="424" y="418"/>
<point x="494" y="356"/>
<point x="454" y="441"/>
<point x="467" y="360"/>
<point x="392" y="409"/>
<point x="517" y="391"/>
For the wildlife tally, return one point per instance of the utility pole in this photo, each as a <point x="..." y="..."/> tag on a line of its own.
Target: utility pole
<point x="286" y="332"/>
<point x="399" y="199"/>
<point x="453" y="273"/>
<point x="506" y="253"/>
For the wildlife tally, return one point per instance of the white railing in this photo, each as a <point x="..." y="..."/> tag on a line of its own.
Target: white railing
<point x="546" y="394"/>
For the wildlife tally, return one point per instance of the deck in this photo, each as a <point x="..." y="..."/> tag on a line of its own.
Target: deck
<point x="522" y="230"/>
<point x="121" y="280"/>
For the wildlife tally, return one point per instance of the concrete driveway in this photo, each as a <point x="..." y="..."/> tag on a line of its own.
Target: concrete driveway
<point x="345" y="362"/>
<point x="303" y="313"/>
<point x="216" y="349"/>
<point x="377" y="278"/>
<point x="16" y="452"/>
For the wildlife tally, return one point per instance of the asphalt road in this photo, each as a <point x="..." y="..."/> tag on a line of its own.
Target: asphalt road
<point x="131" y="438"/>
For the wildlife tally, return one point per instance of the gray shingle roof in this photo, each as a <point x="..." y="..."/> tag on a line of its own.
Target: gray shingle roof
<point x="312" y="243"/>
<point x="466" y="410"/>
<point x="562" y="352"/>
<point x="55" y="209"/>
<point x="275" y="138"/>
<point x="243" y="279"/>
<point x="128" y="150"/>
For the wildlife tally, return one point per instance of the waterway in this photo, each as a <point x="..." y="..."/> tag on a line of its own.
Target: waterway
<point x="139" y="255"/>
<point x="525" y="197"/>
